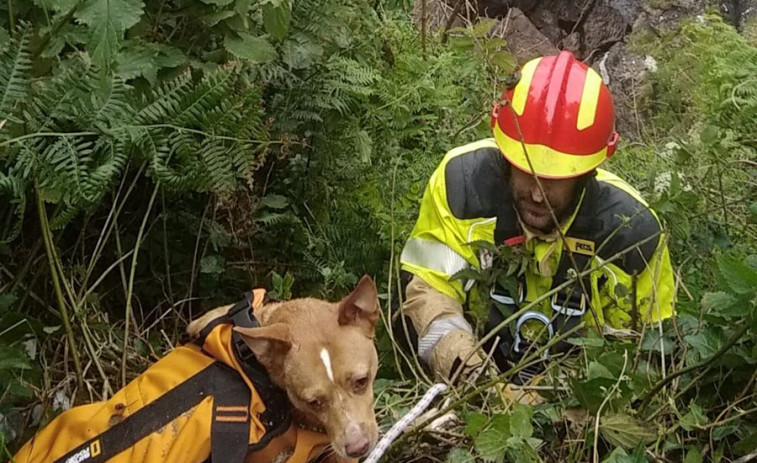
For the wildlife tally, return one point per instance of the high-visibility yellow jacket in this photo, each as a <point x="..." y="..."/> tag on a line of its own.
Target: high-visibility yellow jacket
<point x="467" y="200"/>
<point x="199" y="403"/>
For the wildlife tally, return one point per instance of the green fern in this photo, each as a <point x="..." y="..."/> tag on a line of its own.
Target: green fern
<point x="15" y="68"/>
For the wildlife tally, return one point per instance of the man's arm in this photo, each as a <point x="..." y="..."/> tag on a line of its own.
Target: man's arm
<point x="436" y="250"/>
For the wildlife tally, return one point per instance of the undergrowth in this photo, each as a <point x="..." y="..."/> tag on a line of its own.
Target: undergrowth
<point x="206" y="147"/>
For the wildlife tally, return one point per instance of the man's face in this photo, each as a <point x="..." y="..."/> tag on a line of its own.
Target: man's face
<point x="531" y="204"/>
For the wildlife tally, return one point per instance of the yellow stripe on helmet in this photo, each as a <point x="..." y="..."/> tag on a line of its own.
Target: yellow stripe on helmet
<point x="520" y="94"/>
<point x="547" y="162"/>
<point x="587" y="111"/>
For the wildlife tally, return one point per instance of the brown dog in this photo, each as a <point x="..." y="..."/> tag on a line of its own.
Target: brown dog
<point x="322" y="355"/>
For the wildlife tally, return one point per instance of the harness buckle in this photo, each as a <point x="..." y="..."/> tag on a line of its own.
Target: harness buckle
<point x="570" y="307"/>
<point x="506" y="298"/>
<point x="531" y="315"/>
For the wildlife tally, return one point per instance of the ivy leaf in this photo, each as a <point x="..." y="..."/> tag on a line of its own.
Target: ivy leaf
<point x="108" y="20"/>
<point x="625" y="431"/>
<point x="250" y="48"/>
<point x="276" y="18"/>
<point x="741" y="278"/>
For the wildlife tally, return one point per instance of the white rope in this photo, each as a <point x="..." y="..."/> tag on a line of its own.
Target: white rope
<point x="404" y="422"/>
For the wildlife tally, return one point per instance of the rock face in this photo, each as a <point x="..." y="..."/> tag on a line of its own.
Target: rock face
<point x="524" y="40"/>
<point x="595" y="31"/>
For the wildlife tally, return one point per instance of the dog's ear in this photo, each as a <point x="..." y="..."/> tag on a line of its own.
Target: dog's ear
<point x="360" y="307"/>
<point x="269" y="343"/>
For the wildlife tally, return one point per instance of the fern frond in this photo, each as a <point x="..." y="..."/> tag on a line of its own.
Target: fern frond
<point x="15" y="67"/>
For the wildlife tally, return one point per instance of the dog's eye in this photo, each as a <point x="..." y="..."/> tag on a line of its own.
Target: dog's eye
<point x="360" y="383"/>
<point x="315" y="404"/>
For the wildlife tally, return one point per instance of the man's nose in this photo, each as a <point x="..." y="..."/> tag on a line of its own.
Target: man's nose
<point x="536" y="195"/>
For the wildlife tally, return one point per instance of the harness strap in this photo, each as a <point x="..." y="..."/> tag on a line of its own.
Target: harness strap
<point x="276" y="417"/>
<point x="230" y="430"/>
<point x="162" y="411"/>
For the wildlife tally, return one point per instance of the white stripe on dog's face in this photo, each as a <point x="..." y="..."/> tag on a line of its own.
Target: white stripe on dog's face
<point x="327" y="363"/>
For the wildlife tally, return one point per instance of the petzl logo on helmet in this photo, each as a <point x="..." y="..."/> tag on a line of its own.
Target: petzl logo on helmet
<point x="92" y="450"/>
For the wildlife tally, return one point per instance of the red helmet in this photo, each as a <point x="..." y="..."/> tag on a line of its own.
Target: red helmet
<point x="561" y="113"/>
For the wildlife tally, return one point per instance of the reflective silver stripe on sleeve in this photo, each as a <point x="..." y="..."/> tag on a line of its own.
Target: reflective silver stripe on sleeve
<point x="433" y="255"/>
<point x="438" y="329"/>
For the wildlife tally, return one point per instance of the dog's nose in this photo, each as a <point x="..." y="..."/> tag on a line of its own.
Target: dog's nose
<point x="357" y="441"/>
<point x="357" y="449"/>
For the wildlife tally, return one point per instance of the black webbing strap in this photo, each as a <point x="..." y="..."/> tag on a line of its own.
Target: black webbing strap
<point x="230" y="430"/>
<point x="162" y="411"/>
<point x="276" y="417"/>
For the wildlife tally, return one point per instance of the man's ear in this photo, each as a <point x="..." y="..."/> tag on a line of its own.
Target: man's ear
<point x="360" y="308"/>
<point x="270" y="344"/>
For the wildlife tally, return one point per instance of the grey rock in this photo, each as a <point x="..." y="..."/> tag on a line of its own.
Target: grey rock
<point x="523" y="38"/>
<point x="604" y="26"/>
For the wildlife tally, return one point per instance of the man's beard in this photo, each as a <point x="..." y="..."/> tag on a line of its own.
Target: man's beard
<point x="562" y="210"/>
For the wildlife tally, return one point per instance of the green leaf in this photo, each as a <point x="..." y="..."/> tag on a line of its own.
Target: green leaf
<point x="694" y="419"/>
<point x="625" y="431"/>
<point x="721" y="432"/>
<point x="250" y="48"/>
<point x="709" y="134"/>
<point x="217" y="2"/>
<point x="108" y="20"/>
<point x="482" y="27"/>
<point x="619" y="455"/>
<point x="140" y="59"/>
<point x="212" y="264"/>
<point x="364" y="146"/>
<point x="460" y="456"/>
<point x="588" y="342"/>
<point x="276" y="18"/>
<point x="693" y="455"/>
<point x="491" y="442"/>
<point x="652" y="342"/>
<point x="474" y="423"/>
<point x="591" y="393"/>
<point x="7" y="301"/>
<point x="520" y="421"/>
<point x="705" y="343"/>
<point x="740" y="277"/>
<point x="274" y="201"/>
<point x="597" y="370"/>
<point x="216" y="17"/>
<point x="753" y="212"/>
<point x="55" y="5"/>
<point x="715" y="302"/>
